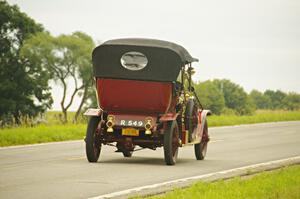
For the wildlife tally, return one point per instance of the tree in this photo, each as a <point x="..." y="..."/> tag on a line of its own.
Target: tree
<point x="91" y="100"/>
<point x="23" y="85"/>
<point x="67" y="58"/>
<point x="260" y="100"/>
<point x="210" y="96"/>
<point x="85" y="70"/>
<point x="291" y="101"/>
<point x="235" y="97"/>
<point x="276" y="98"/>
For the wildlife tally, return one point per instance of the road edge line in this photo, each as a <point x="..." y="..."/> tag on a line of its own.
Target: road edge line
<point x="253" y="124"/>
<point x="40" y="144"/>
<point x="184" y="182"/>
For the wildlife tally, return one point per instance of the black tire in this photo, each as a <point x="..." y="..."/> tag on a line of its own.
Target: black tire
<point x="171" y="142"/>
<point x="92" y="144"/>
<point x="190" y="117"/>
<point x="201" y="148"/>
<point x="127" y="153"/>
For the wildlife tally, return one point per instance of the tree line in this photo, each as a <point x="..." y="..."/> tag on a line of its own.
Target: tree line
<point x="30" y="57"/>
<point x="222" y="96"/>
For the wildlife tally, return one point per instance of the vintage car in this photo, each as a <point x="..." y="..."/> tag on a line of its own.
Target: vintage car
<point x="146" y="99"/>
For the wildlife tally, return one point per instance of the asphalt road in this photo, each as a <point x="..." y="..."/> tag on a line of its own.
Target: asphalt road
<point x="60" y="170"/>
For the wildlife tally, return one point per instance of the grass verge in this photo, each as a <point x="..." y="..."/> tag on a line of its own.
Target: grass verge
<point x="283" y="183"/>
<point x="41" y="134"/>
<point x="54" y="131"/>
<point x="260" y="116"/>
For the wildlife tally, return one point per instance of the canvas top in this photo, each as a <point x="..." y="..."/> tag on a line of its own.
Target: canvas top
<point x="140" y="59"/>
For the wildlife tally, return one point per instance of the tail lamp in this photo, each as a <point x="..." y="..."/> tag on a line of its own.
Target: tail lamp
<point x="110" y="123"/>
<point x="148" y="126"/>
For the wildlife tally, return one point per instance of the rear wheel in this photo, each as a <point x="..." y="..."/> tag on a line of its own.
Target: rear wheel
<point x="171" y="142"/>
<point x="92" y="141"/>
<point x="201" y="148"/>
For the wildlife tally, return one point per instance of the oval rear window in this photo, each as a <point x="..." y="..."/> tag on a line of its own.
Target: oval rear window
<point x="134" y="61"/>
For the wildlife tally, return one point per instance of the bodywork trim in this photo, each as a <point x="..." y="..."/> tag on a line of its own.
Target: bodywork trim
<point x="168" y="117"/>
<point x="93" y="112"/>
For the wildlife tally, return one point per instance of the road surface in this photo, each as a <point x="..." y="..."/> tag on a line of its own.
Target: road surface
<point x="60" y="170"/>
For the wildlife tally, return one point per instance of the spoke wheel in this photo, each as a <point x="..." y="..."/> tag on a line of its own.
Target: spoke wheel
<point x="201" y="148"/>
<point x="92" y="141"/>
<point x="171" y="142"/>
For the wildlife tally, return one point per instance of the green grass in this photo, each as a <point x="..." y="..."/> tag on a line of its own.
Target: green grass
<point x="279" y="184"/>
<point x="259" y="117"/>
<point x="53" y="130"/>
<point x="41" y="134"/>
<point x="53" y="117"/>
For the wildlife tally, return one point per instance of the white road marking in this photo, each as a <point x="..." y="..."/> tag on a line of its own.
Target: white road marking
<point x="77" y="158"/>
<point x="40" y="144"/>
<point x="199" y="177"/>
<point x="214" y="140"/>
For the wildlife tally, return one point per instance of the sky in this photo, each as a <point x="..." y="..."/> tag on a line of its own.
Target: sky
<point x="254" y="43"/>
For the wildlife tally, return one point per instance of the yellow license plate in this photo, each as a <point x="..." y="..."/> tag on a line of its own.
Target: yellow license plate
<point x="130" y="132"/>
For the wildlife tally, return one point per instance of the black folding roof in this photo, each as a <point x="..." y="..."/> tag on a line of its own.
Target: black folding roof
<point x="165" y="59"/>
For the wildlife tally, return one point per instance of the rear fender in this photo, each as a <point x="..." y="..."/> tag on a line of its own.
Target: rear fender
<point x="93" y="112"/>
<point x="202" y="118"/>
<point x="204" y="114"/>
<point x="168" y="117"/>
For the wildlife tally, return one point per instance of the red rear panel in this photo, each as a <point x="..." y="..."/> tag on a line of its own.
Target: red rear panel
<point x="132" y="96"/>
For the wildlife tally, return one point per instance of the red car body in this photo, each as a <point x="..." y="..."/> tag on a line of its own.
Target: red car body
<point x="134" y="96"/>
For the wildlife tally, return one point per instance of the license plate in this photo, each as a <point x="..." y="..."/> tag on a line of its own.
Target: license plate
<point x="130" y="132"/>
